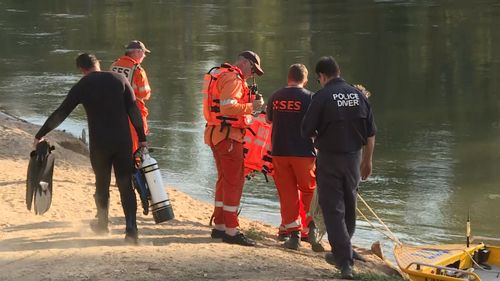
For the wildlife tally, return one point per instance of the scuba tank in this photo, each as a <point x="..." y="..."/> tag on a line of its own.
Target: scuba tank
<point x="149" y="184"/>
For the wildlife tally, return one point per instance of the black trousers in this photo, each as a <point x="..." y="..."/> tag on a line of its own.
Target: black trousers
<point x="120" y="158"/>
<point x="337" y="177"/>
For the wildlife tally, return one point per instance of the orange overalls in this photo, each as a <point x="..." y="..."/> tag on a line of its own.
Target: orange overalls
<point x="295" y="180"/>
<point x="138" y="79"/>
<point x="227" y="107"/>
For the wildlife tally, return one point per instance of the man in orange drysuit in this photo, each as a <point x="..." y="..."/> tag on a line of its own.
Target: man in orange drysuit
<point x="227" y="108"/>
<point x="293" y="156"/>
<point x="129" y="65"/>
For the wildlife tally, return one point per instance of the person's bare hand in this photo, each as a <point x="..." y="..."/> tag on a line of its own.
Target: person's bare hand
<point x="365" y="169"/>
<point x="257" y="104"/>
<point x="35" y="142"/>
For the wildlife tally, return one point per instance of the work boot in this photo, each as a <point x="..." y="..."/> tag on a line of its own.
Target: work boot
<point x="294" y="241"/>
<point x="318" y="248"/>
<point x="330" y="258"/>
<point x="283" y="236"/>
<point x="217" y="234"/>
<point x="238" y="239"/>
<point x="313" y="238"/>
<point x="346" y="272"/>
<point x="357" y="256"/>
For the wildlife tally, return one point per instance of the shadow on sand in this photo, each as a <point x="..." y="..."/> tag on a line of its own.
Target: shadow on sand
<point x="67" y="235"/>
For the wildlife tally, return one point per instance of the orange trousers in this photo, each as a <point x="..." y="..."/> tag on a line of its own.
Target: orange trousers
<point x="228" y="155"/>
<point x="295" y="180"/>
<point x="304" y="232"/>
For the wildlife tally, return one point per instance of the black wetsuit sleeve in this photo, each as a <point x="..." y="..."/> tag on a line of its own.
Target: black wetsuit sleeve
<point x="311" y="121"/>
<point x="66" y="107"/>
<point x="133" y="112"/>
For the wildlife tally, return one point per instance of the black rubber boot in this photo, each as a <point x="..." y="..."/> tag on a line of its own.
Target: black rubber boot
<point x="100" y="225"/>
<point x="131" y="233"/>
<point x="132" y="237"/>
<point x="294" y="241"/>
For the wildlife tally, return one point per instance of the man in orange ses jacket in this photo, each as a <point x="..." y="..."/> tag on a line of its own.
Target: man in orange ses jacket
<point x="129" y="65"/>
<point x="228" y="104"/>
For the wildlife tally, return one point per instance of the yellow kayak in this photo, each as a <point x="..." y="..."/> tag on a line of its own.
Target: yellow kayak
<point x="449" y="262"/>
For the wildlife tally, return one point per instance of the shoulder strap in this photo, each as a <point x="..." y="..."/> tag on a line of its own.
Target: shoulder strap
<point x="136" y="65"/>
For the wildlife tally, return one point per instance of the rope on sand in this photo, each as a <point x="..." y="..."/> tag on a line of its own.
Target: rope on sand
<point x="317" y="215"/>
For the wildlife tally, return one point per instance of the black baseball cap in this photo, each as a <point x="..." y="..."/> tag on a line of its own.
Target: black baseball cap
<point x="136" y="45"/>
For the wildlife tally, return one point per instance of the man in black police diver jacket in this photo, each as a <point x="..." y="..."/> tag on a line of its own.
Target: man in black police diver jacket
<point x="109" y="101"/>
<point x="341" y="120"/>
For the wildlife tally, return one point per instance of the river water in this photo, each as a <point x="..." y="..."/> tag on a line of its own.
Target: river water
<point x="433" y="68"/>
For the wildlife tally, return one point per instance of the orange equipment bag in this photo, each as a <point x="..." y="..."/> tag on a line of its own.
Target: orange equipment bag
<point x="257" y="147"/>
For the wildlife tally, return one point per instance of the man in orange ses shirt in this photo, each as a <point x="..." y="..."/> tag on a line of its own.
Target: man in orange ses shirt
<point x="293" y="156"/>
<point x="228" y="105"/>
<point x="129" y="65"/>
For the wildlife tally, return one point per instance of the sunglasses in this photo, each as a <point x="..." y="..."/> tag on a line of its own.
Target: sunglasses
<point x="254" y="69"/>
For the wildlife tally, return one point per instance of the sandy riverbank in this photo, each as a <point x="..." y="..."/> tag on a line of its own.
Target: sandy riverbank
<point x="60" y="246"/>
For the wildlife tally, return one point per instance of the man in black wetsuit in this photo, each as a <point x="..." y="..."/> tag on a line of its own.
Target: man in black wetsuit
<point x="109" y="101"/>
<point x="341" y="120"/>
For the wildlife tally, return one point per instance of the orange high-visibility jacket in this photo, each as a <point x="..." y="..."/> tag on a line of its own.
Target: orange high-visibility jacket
<point x="212" y="98"/>
<point x="257" y="146"/>
<point x="138" y="79"/>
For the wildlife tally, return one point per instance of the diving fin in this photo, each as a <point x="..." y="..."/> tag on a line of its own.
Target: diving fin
<point x="43" y="198"/>
<point x="39" y="182"/>
<point x="43" y="195"/>
<point x="31" y="178"/>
